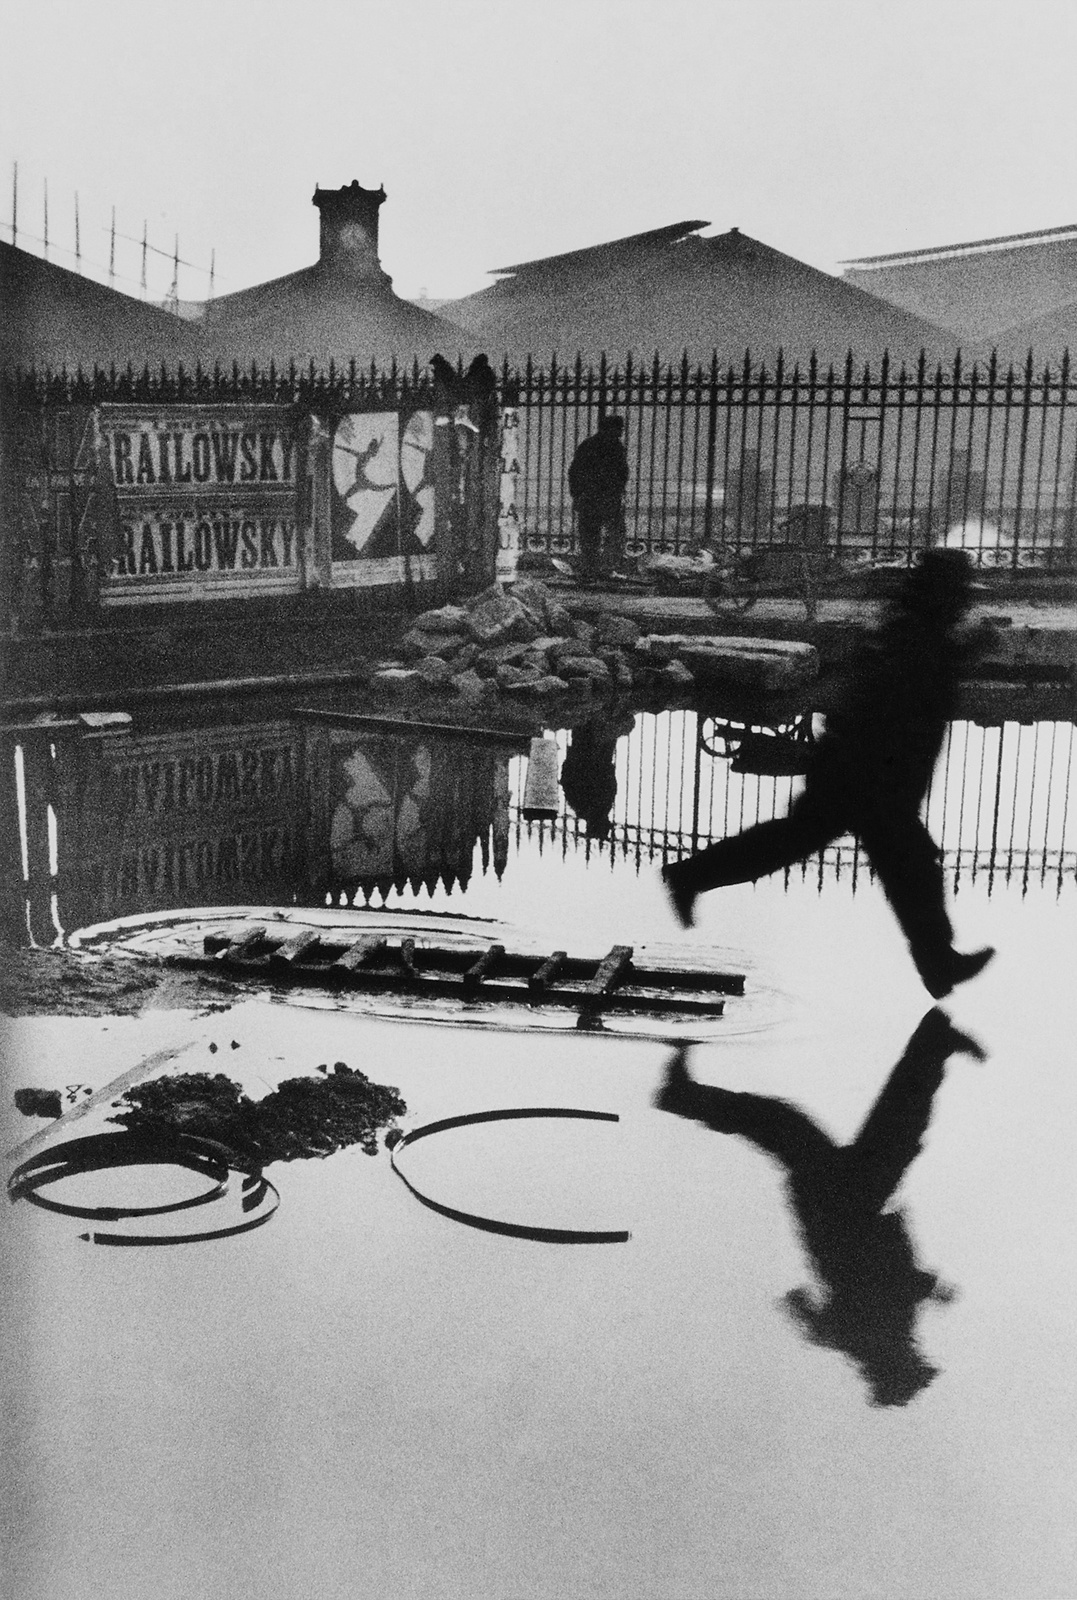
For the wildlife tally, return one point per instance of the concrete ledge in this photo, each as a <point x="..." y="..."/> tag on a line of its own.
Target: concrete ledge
<point x="1037" y="638"/>
<point x="770" y="665"/>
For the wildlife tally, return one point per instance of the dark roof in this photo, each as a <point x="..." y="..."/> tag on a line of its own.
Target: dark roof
<point x="1069" y="228"/>
<point x="728" y="292"/>
<point x="1048" y="336"/>
<point x="321" y="315"/>
<point x="596" y="252"/>
<point x="979" y="293"/>
<point x="54" y="317"/>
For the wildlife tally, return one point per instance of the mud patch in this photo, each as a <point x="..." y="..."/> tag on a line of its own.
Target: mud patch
<point x="302" y="1118"/>
<point x="69" y="983"/>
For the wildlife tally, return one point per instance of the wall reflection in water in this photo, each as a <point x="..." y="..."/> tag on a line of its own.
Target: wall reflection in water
<point x="267" y="812"/>
<point x="275" y="811"/>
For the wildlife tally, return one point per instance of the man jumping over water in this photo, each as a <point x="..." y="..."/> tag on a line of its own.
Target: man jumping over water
<point x="869" y="773"/>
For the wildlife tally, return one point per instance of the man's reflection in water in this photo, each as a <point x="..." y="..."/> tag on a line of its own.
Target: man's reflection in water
<point x="872" y="1288"/>
<point x="589" y="772"/>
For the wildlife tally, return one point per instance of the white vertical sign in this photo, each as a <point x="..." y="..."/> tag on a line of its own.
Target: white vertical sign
<point x="508" y="518"/>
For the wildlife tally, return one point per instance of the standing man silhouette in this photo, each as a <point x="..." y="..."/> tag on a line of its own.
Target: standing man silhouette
<point x="597" y="477"/>
<point x="869" y="773"/>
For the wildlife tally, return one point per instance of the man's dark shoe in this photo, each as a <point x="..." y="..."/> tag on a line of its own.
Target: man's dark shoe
<point x="937" y="1032"/>
<point x="959" y="968"/>
<point x="671" y="1095"/>
<point x="682" y="900"/>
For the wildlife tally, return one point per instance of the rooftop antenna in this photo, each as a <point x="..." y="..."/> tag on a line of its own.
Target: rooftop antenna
<point x="78" y="247"/>
<point x="144" y="229"/>
<point x="112" y="250"/>
<point x="15" y="202"/>
<point x="46" y="241"/>
<point x="173" y="292"/>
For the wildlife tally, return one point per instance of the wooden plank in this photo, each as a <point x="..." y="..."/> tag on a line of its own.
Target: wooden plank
<point x="696" y="978"/>
<point x="475" y="974"/>
<point x="24" y="730"/>
<point x="401" y="727"/>
<point x="360" y="953"/>
<point x="445" y="985"/>
<point x="294" y="948"/>
<point x="540" y="980"/>
<point x="79" y="699"/>
<point x="240" y="949"/>
<point x="100" y="1097"/>
<point x="611" y="970"/>
<point x="541" y="787"/>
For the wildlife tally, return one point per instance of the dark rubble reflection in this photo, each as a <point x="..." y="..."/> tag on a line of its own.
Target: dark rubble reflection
<point x="206" y="1123"/>
<point x="872" y="1289"/>
<point x="300" y="1119"/>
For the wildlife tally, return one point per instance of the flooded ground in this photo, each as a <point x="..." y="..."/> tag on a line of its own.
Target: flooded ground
<point x="366" y="1396"/>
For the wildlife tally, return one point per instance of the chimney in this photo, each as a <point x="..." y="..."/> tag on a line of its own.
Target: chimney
<point x="348" y="241"/>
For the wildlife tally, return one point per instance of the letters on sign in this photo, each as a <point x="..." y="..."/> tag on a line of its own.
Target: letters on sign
<point x="216" y="541"/>
<point x="145" y="454"/>
<point x="193" y="818"/>
<point x="207" y="501"/>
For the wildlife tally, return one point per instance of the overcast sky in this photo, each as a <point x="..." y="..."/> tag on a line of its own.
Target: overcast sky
<point x="505" y="130"/>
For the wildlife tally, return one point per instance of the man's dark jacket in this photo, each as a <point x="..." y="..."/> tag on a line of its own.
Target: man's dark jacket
<point x="599" y="471"/>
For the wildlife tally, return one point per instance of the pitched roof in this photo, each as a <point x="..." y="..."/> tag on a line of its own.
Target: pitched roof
<point x="1067" y="230"/>
<point x="672" y="290"/>
<point x="595" y="253"/>
<point x="320" y="315"/>
<point x="982" y="288"/>
<point x="54" y="317"/>
<point x="1048" y="336"/>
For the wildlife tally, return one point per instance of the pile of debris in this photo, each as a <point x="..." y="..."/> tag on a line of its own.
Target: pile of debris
<point x="526" y="643"/>
<point x="303" y="1117"/>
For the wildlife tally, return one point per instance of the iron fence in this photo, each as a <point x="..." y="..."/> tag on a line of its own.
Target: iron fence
<point x="867" y="464"/>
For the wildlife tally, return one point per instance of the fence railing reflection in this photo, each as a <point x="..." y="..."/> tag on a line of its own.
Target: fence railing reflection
<point x="999" y="803"/>
<point x="274" y="813"/>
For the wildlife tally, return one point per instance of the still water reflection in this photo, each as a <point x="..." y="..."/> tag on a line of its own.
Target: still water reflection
<point x="277" y="811"/>
<point x="862" y="1254"/>
<point x="519" y="1420"/>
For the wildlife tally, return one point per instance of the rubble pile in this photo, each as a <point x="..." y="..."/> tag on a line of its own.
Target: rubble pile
<point x="525" y="643"/>
<point x="303" y="1117"/>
